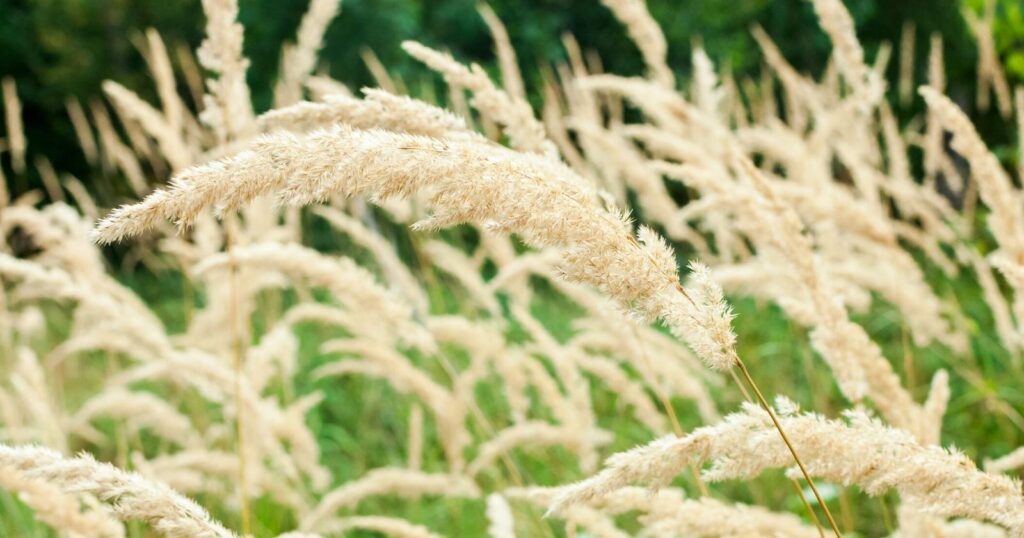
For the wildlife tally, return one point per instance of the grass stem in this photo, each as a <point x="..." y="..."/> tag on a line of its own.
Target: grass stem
<point x="789" y="445"/>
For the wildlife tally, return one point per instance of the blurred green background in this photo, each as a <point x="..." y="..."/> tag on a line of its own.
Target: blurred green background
<point x="61" y="48"/>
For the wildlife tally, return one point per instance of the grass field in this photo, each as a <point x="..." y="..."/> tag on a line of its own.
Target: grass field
<point x="373" y="314"/>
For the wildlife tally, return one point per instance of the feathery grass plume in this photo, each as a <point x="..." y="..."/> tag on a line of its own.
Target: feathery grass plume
<point x="140" y="143"/>
<point x="385" y="481"/>
<point x="908" y="38"/>
<point x="712" y="336"/>
<point x="189" y="471"/>
<point x="627" y="390"/>
<point x="36" y="399"/>
<point x="388" y="526"/>
<point x="509" y="367"/>
<point x="275" y="356"/>
<point x="801" y="97"/>
<point x="991" y="77"/>
<point x="995" y="185"/>
<point x="204" y="471"/>
<point x="139" y="410"/>
<point x="322" y="314"/>
<point x="379" y="109"/>
<point x="174" y="111"/>
<point x="628" y="164"/>
<point x="858" y="451"/>
<point x="514" y="114"/>
<point x="83" y="131"/>
<point x="227" y="107"/>
<point x="268" y="440"/>
<point x="167" y="135"/>
<point x="348" y="283"/>
<point x="114" y="153"/>
<point x="707" y="93"/>
<point x="911" y="197"/>
<point x="710" y="517"/>
<point x="556" y="99"/>
<point x="590" y="522"/>
<point x="664" y="107"/>
<point x="61" y="236"/>
<point x="677" y="376"/>
<point x="320" y="86"/>
<point x="16" y="142"/>
<point x="61" y="511"/>
<point x="936" y="215"/>
<point x="455" y="263"/>
<point x="130" y="496"/>
<point x="511" y="78"/>
<point x="857" y="362"/>
<point x="289" y="425"/>
<point x="299" y="59"/>
<point x="578" y="410"/>
<point x="996" y="301"/>
<point x="543" y="201"/>
<point x="531" y="435"/>
<point x="666" y="512"/>
<point x="935" y="409"/>
<point x="647" y="36"/>
<point x="848" y="53"/>
<point x="549" y="394"/>
<point x="966" y="528"/>
<point x="112" y="343"/>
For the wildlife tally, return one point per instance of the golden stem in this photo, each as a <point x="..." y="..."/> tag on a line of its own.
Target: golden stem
<point x="785" y="439"/>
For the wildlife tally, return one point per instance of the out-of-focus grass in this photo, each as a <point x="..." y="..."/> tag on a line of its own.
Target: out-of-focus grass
<point x="363" y="423"/>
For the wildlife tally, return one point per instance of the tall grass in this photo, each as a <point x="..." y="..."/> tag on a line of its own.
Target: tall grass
<point x="366" y="312"/>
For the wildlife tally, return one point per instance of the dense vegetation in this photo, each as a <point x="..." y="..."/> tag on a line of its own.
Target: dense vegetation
<point x="744" y="269"/>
